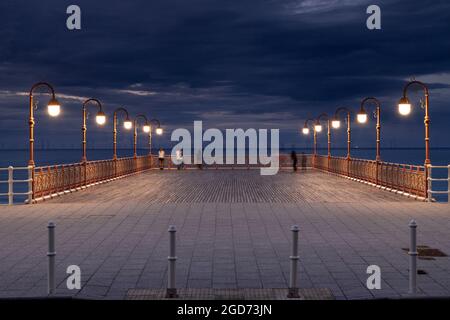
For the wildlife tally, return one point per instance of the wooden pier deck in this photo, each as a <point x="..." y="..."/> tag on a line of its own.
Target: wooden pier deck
<point x="233" y="232"/>
<point x="232" y="186"/>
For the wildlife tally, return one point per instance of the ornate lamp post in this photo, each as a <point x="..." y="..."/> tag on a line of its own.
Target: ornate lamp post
<point x="318" y="128"/>
<point x="127" y="125"/>
<point x="336" y="123"/>
<point x="404" y="108"/>
<point x="362" y="118"/>
<point x="158" y="131"/>
<point x="100" y="119"/>
<point x="53" y="108"/>
<point x="146" y="128"/>
<point x="305" y="131"/>
<point x="324" y="115"/>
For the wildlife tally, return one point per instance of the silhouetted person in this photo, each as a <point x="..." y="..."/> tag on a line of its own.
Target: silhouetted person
<point x="303" y="159"/>
<point x="294" y="160"/>
<point x="161" y="158"/>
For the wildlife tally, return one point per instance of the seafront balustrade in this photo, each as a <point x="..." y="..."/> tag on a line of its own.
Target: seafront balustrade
<point x="403" y="178"/>
<point x="55" y="180"/>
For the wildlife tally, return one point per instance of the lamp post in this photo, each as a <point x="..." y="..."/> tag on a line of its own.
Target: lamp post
<point x="324" y="115"/>
<point x="53" y="108"/>
<point x="100" y="118"/>
<point x="404" y="108"/>
<point x="321" y="116"/>
<point x="336" y="123"/>
<point x="146" y="128"/>
<point x="127" y="125"/>
<point x="362" y="118"/>
<point x="305" y="131"/>
<point x="158" y="131"/>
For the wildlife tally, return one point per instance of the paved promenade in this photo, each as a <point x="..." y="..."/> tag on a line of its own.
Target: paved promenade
<point x="233" y="232"/>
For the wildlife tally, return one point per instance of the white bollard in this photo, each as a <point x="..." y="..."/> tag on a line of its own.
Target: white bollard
<point x="171" y="286"/>
<point x="293" y="289"/>
<point x="30" y="184"/>
<point x="412" y="258"/>
<point x="51" y="254"/>
<point x="430" y="184"/>
<point x="10" y="185"/>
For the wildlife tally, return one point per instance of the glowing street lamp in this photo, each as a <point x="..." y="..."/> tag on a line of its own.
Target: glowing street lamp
<point x="127" y="125"/>
<point x="146" y="128"/>
<point x="100" y="119"/>
<point x="318" y="127"/>
<point x="305" y="131"/>
<point x="363" y="119"/>
<point x="404" y="108"/>
<point x="53" y="109"/>
<point x="336" y="123"/>
<point x="158" y="131"/>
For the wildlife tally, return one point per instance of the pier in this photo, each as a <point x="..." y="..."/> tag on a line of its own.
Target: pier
<point x="233" y="229"/>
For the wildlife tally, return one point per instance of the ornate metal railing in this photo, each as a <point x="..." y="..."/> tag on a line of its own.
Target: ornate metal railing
<point x="405" y="178"/>
<point x="54" y="180"/>
<point x="59" y="179"/>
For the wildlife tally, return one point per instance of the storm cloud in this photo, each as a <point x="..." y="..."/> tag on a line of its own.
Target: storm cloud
<point x="250" y="63"/>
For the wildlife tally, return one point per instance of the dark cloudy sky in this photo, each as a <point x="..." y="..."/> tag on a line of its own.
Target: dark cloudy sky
<point x="247" y="63"/>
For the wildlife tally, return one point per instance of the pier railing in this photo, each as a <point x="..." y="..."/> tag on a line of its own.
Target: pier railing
<point x="59" y="179"/>
<point x="443" y="177"/>
<point x="405" y="178"/>
<point x="48" y="181"/>
<point x="18" y="183"/>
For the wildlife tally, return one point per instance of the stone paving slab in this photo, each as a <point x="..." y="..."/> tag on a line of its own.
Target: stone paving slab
<point x="120" y="241"/>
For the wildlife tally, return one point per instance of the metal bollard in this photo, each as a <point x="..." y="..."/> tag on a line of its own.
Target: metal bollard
<point x="293" y="289"/>
<point x="171" y="286"/>
<point x="412" y="258"/>
<point x="51" y="254"/>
